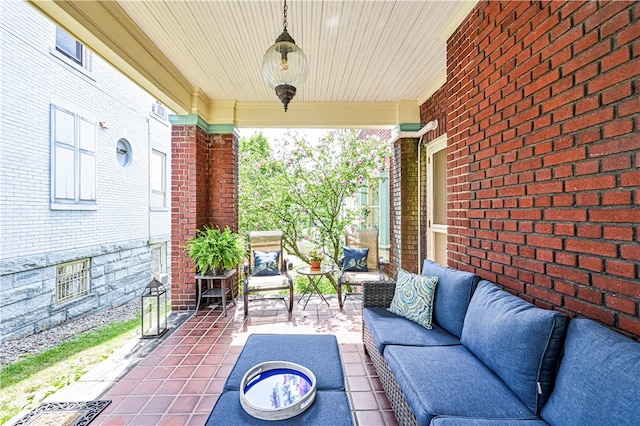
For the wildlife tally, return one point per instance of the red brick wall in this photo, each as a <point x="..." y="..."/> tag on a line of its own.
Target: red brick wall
<point x="435" y="108"/>
<point x="404" y="206"/>
<point x="204" y="191"/>
<point x="544" y="153"/>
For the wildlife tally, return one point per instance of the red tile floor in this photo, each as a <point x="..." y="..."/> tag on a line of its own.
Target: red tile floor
<point x="180" y="381"/>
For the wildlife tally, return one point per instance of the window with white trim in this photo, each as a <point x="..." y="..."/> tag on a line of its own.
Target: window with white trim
<point x="372" y="220"/>
<point x="72" y="50"/>
<point x="159" y="259"/>
<point x="158" y="178"/>
<point x="73" y="158"/>
<point x="72" y="280"/>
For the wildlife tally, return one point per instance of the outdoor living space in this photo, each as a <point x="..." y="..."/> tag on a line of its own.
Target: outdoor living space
<point x="513" y="158"/>
<point x="180" y="381"/>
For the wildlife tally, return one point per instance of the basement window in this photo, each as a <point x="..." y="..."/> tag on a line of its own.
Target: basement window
<point x="72" y="280"/>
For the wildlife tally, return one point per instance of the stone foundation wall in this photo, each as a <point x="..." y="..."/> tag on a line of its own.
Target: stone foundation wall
<point x="119" y="273"/>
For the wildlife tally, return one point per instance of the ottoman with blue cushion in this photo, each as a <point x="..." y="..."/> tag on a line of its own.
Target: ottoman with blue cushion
<point x="318" y="353"/>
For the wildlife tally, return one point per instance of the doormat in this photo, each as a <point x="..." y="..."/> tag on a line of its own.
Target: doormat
<point x="63" y="413"/>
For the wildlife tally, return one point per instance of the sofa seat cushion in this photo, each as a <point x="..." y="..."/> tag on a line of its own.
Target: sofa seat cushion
<point x="453" y="293"/>
<point x="598" y="382"/>
<point x="451" y="381"/>
<point x="518" y="341"/>
<point x="387" y="328"/>
<point x="461" y="421"/>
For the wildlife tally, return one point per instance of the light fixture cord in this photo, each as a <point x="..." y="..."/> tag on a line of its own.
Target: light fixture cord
<point x="284" y="22"/>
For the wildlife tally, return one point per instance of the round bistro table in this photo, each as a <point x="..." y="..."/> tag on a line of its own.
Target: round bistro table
<point x="314" y="276"/>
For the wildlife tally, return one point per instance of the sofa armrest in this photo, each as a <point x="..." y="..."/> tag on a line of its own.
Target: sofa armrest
<point x="377" y="294"/>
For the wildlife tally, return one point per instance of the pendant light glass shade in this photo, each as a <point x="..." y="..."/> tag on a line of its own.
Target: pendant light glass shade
<point x="285" y="66"/>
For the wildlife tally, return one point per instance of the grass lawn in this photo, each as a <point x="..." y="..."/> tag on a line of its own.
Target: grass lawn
<point x="27" y="382"/>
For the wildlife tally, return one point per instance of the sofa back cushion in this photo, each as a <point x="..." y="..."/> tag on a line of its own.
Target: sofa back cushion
<point x="452" y="296"/>
<point x="521" y="343"/>
<point x="599" y="378"/>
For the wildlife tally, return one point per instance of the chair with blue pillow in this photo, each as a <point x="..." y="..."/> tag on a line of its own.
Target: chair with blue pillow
<point x="267" y="269"/>
<point x="360" y="262"/>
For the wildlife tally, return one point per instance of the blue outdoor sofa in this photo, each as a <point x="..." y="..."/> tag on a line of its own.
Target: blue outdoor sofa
<point x="492" y="358"/>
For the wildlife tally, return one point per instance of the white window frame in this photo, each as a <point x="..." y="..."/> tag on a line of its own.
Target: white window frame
<point x="79" y="48"/>
<point x="158" y="184"/>
<point x="372" y="220"/>
<point x="73" y="280"/>
<point x="159" y="261"/>
<point x="80" y="142"/>
<point x="82" y="63"/>
<point x="434" y="229"/>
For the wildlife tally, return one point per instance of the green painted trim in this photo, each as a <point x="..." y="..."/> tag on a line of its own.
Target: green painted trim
<point x="385" y="203"/>
<point x="221" y="128"/>
<point x="409" y="127"/>
<point x="196" y="120"/>
<point x="188" y="120"/>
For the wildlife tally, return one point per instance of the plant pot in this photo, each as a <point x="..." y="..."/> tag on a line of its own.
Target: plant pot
<point x="216" y="272"/>
<point x="315" y="265"/>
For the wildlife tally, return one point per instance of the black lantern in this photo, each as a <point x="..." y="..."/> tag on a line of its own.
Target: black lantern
<point x="154" y="310"/>
<point x="284" y="65"/>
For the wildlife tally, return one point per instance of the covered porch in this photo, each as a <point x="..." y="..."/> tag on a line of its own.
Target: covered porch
<point x="536" y="108"/>
<point x="538" y="113"/>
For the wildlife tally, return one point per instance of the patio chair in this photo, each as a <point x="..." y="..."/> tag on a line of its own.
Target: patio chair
<point x="267" y="269"/>
<point x="355" y="271"/>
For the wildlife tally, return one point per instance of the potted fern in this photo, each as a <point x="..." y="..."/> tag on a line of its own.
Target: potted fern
<point x="214" y="252"/>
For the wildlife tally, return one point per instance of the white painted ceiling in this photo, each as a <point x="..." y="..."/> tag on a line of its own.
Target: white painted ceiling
<point x="358" y="50"/>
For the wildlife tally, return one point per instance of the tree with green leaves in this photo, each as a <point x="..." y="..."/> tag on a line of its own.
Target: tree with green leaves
<point x="302" y="187"/>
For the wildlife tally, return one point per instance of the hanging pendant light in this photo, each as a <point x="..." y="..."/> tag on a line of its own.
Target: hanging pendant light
<point x="284" y="65"/>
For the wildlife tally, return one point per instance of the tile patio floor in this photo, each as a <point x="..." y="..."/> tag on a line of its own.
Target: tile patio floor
<point x="180" y="381"/>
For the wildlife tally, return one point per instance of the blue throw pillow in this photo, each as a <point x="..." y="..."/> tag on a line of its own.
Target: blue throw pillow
<point x="413" y="297"/>
<point x="266" y="263"/>
<point x="355" y="259"/>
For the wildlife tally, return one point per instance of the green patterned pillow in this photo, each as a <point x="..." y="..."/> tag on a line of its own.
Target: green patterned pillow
<point x="413" y="298"/>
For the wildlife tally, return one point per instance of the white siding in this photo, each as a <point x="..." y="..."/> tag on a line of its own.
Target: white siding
<point x="33" y="236"/>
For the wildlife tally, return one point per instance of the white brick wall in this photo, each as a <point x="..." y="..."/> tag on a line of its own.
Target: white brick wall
<point x="31" y="76"/>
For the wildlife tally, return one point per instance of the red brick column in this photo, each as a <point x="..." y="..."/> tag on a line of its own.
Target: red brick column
<point x="404" y="205"/>
<point x="223" y="197"/>
<point x="223" y="184"/>
<point x="203" y="191"/>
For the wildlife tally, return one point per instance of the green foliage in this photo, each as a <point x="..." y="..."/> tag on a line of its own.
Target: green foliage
<point x="214" y="251"/>
<point x="315" y="254"/>
<point x="303" y="187"/>
<point x="301" y="285"/>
